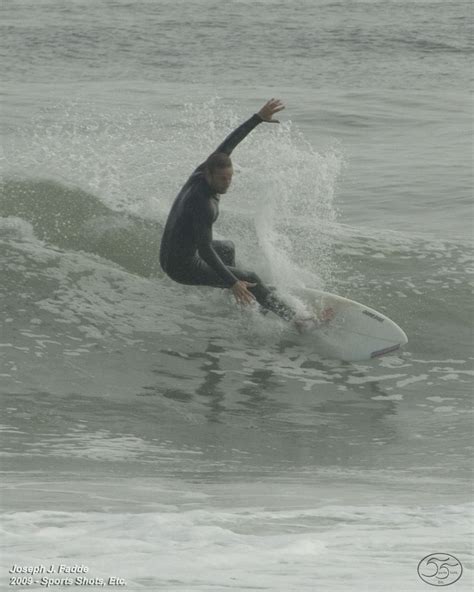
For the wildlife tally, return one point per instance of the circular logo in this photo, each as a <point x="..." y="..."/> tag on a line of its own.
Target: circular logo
<point x="440" y="569"/>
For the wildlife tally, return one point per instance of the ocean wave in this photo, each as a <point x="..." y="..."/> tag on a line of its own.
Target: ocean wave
<point x="73" y="219"/>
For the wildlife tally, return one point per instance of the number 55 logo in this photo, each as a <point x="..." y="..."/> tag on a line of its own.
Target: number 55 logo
<point x="440" y="569"/>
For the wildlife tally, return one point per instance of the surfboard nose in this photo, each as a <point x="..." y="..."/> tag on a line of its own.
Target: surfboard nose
<point x="355" y="332"/>
<point x="404" y="339"/>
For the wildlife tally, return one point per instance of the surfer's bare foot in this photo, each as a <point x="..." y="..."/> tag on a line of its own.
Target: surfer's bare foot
<point x="304" y="324"/>
<point x="327" y="315"/>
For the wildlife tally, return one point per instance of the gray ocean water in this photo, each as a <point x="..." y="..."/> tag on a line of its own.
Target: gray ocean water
<point x="155" y="432"/>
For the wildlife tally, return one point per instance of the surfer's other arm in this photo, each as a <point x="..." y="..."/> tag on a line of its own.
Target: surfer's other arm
<point x="202" y="228"/>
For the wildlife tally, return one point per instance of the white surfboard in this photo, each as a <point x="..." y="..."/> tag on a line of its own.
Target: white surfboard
<point x="356" y="332"/>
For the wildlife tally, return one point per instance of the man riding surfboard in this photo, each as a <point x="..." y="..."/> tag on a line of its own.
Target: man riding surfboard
<point x="189" y="254"/>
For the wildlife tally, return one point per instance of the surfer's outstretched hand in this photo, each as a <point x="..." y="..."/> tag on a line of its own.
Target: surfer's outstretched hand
<point x="269" y="109"/>
<point x="242" y="293"/>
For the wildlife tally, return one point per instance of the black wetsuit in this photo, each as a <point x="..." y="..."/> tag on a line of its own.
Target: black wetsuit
<point x="189" y="255"/>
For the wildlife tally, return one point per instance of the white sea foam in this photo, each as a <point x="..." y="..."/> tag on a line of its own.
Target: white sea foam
<point x="341" y="547"/>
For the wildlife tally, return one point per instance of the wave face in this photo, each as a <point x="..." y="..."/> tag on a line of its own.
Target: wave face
<point x="75" y="220"/>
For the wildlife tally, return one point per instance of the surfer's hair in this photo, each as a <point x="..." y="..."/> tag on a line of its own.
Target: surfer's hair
<point x="218" y="160"/>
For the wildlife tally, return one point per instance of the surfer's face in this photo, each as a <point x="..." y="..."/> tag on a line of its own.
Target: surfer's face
<point x="220" y="179"/>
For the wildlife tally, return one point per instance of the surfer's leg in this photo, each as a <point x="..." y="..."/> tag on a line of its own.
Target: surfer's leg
<point x="199" y="273"/>
<point x="265" y="296"/>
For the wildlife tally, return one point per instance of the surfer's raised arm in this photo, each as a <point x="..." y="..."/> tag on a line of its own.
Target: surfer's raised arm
<point x="265" y="114"/>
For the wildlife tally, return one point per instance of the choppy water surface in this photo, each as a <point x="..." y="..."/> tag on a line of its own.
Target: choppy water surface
<point x="158" y="433"/>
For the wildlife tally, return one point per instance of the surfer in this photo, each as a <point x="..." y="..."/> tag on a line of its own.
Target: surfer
<point x="189" y="254"/>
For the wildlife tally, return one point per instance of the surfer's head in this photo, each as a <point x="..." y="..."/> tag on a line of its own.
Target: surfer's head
<point x="219" y="171"/>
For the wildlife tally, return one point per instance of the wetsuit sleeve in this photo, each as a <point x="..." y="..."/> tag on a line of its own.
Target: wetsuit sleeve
<point x="234" y="138"/>
<point x="239" y="134"/>
<point x="202" y="226"/>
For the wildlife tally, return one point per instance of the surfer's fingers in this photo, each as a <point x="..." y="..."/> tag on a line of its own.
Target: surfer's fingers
<point x="244" y="296"/>
<point x="245" y="301"/>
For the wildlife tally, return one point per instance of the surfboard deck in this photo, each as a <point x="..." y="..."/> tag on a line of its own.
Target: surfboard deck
<point x="355" y="333"/>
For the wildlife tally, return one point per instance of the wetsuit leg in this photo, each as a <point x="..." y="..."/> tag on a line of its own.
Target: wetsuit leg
<point x="199" y="273"/>
<point x="268" y="299"/>
<point x="226" y="251"/>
